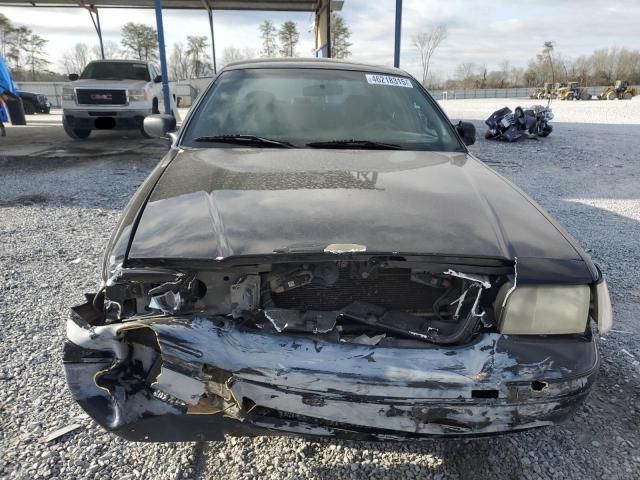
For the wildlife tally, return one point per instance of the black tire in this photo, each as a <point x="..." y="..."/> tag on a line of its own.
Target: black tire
<point x="154" y="107"/>
<point x="143" y="133"/>
<point x="29" y="107"/>
<point x="76" y="133"/>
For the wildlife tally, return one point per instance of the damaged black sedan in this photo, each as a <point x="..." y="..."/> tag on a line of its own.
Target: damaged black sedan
<point x="319" y="254"/>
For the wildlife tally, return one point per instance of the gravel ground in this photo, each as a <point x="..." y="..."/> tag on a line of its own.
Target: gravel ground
<point x="55" y="218"/>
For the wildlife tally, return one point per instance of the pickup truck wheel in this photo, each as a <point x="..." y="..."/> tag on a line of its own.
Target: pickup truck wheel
<point x="76" y="133"/>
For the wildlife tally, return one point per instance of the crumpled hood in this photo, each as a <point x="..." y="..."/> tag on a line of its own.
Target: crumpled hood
<point x="216" y="203"/>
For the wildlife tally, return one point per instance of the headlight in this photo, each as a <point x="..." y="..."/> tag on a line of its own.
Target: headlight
<point x="137" y="95"/>
<point x="543" y="310"/>
<point x="68" y="93"/>
<point x="604" y="313"/>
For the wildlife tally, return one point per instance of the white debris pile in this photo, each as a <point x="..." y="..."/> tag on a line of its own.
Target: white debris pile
<point x="613" y="112"/>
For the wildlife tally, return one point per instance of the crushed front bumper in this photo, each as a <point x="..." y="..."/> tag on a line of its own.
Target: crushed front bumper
<point x="292" y="384"/>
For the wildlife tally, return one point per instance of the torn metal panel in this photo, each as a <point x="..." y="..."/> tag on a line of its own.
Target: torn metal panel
<point x="180" y="386"/>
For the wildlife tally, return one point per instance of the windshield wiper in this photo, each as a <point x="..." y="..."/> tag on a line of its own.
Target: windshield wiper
<point x="244" y="139"/>
<point x="365" y="144"/>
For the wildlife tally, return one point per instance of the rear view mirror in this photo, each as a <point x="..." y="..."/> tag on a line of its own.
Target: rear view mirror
<point x="73" y="77"/>
<point x="322" y="89"/>
<point x="159" y="126"/>
<point x="467" y="132"/>
<point x="157" y="79"/>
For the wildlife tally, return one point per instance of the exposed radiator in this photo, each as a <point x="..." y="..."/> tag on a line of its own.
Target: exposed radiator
<point x="392" y="289"/>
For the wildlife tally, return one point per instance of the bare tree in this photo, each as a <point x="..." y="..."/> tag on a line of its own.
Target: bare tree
<point x="466" y="74"/>
<point x="427" y="43"/>
<point x="179" y="63"/>
<point x="231" y="54"/>
<point x="111" y="50"/>
<point x="75" y="59"/>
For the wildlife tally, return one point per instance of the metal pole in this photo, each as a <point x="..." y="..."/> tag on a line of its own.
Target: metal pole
<point x="163" y="58"/>
<point x="99" y="32"/>
<point x="396" y="51"/>
<point x="213" y="40"/>
<point x="96" y="24"/>
<point x="329" y="46"/>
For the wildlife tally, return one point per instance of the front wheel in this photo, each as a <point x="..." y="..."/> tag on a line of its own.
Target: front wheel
<point x="76" y="133"/>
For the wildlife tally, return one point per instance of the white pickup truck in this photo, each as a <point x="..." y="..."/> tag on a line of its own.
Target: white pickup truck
<point x="111" y="94"/>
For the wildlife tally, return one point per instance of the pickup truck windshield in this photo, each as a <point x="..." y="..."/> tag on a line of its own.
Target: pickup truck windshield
<point x="116" y="71"/>
<point x="318" y="108"/>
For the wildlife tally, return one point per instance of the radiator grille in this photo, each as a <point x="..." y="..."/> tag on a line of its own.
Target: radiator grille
<point x="392" y="289"/>
<point x="101" y="96"/>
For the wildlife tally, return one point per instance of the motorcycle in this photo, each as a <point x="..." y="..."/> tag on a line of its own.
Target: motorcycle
<point x="510" y="126"/>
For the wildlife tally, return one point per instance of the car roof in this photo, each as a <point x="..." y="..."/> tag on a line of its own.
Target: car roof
<point x="320" y="63"/>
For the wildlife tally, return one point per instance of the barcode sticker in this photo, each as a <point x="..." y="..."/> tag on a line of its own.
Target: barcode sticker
<point x="374" y="79"/>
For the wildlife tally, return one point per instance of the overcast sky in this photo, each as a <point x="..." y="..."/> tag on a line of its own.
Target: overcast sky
<point x="484" y="32"/>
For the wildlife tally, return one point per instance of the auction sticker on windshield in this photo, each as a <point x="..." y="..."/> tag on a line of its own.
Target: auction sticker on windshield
<point x="387" y="80"/>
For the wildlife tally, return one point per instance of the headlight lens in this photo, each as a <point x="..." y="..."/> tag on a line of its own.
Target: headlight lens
<point x="137" y="95"/>
<point x="543" y="310"/>
<point x="68" y="93"/>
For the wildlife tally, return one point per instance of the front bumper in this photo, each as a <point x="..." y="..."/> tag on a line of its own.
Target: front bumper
<point x="292" y="384"/>
<point x="116" y="118"/>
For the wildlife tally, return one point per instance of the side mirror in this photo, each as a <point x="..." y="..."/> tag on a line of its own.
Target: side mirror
<point x="467" y="131"/>
<point x="159" y="126"/>
<point x="73" y="77"/>
<point x="157" y="79"/>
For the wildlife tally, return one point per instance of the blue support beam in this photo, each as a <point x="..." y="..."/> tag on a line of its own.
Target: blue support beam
<point x="398" y="34"/>
<point x="163" y="59"/>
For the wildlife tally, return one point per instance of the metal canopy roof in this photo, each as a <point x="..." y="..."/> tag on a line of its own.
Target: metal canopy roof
<point x="282" y="5"/>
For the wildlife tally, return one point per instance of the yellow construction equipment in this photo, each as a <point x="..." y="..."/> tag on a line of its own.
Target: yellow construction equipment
<point x="543" y="92"/>
<point x="573" y="92"/>
<point x="621" y="90"/>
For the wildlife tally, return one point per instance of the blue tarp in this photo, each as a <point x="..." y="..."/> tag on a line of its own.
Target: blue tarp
<point x="6" y="84"/>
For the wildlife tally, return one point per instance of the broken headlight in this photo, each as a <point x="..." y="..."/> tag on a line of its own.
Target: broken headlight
<point x="542" y="309"/>
<point x="604" y="313"/>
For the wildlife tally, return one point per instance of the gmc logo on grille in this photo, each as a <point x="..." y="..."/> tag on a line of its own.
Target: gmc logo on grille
<point x="101" y="96"/>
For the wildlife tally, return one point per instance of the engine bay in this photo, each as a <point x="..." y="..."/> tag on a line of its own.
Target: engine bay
<point x="373" y="302"/>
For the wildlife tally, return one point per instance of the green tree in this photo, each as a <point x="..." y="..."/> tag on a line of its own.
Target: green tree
<point x="289" y="38"/>
<point x="34" y="49"/>
<point x="340" y="34"/>
<point x="197" y="47"/>
<point x="140" y="41"/>
<point x="268" y="36"/>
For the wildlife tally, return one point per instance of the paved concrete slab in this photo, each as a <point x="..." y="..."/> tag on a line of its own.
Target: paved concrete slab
<point x="44" y="137"/>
